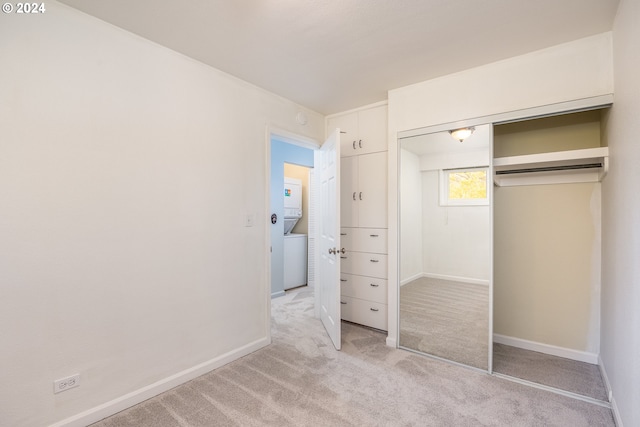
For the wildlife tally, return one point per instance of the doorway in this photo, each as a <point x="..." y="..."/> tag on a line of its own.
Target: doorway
<point x="284" y="148"/>
<point x="289" y="160"/>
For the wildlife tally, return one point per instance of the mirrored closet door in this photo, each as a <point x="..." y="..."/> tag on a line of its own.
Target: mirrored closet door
<point x="445" y="192"/>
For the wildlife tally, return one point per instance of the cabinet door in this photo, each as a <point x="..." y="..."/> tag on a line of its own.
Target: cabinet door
<point x="348" y="124"/>
<point x="372" y="130"/>
<point x="349" y="192"/>
<point x="372" y="190"/>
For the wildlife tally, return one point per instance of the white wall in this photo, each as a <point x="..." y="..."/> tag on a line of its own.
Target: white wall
<point x="569" y="71"/>
<point x="455" y="239"/>
<point x="411" y="217"/>
<point x="620" y="339"/>
<point x="119" y="257"/>
<point x="547" y="264"/>
<point x="566" y="72"/>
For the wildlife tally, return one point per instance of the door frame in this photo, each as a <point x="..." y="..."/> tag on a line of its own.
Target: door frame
<point x="273" y="131"/>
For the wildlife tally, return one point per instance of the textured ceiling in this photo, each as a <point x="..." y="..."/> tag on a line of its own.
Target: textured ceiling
<point x="333" y="55"/>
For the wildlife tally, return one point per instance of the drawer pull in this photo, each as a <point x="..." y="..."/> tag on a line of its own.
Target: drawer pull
<point x="360" y="195"/>
<point x="354" y="145"/>
<point x="373" y="235"/>
<point x="343" y="234"/>
<point x="374" y="285"/>
<point x="360" y="143"/>
<point x="343" y="257"/>
<point x="374" y="260"/>
<point x="344" y="280"/>
<point x="354" y="195"/>
<point x="342" y="302"/>
<point x="373" y="309"/>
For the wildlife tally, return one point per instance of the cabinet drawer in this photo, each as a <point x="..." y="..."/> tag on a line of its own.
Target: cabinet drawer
<point x="369" y="240"/>
<point x="362" y="287"/>
<point x="364" y="264"/>
<point x="364" y="312"/>
<point x="346" y="238"/>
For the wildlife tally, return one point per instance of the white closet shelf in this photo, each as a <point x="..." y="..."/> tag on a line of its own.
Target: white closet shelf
<point x="560" y="167"/>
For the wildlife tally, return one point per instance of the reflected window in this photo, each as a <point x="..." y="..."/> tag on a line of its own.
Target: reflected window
<point x="464" y="187"/>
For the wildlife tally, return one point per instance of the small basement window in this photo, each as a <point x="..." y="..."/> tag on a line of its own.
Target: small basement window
<point x="464" y="187"/>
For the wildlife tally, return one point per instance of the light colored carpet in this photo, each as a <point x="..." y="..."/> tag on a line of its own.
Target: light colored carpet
<point x="300" y="380"/>
<point x="447" y="319"/>
<point x="565" y="374"/>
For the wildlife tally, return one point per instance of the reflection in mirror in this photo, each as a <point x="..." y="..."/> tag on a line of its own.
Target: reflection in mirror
<point x="445" y="246"/>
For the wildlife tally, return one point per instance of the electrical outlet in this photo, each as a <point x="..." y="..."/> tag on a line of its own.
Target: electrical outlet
<point x="64" y="384"/>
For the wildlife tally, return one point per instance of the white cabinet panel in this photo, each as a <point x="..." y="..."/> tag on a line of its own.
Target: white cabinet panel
<point x="346" y="263"/>
<point x="348" y="124"/>
<point x="363" y="191"/>
<point x="367" y="288"/>
<point x="372" y="190"/>
<point x="362" y="132"/>
<point x="349" y="191"/>
<point x="364" y="312"/>
<point x="364" y="239"/>
<point x="364" y="264"/>
<point x="346" y="236"/>
<point x="372" y="129"/>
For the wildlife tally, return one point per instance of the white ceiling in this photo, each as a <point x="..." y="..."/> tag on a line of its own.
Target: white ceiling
<point x="333" y="55"/>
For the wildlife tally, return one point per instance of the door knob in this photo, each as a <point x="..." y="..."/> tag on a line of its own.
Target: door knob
<point x="342" y="251"/>
<point x="333" y="251"/>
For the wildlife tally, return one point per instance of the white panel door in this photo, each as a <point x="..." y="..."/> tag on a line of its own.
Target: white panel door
<point x="329" y="246"/>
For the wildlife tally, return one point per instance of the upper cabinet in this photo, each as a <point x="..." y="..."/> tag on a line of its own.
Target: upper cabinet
<point x="363" y="191"/>
<point x="362" y="132"/>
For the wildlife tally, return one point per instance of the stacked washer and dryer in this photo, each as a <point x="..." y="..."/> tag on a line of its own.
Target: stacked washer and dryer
<point x="295" y="245"/>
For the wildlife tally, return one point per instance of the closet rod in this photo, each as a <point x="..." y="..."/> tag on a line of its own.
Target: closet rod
<point x="550" y="169"/>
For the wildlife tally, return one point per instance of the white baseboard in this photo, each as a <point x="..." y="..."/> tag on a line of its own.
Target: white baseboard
<point x="457" y="278"/>
<point x="605" y="378"/>
<point x="130" y="399"/>
<point x="391" y="342"/>
<point x="411" y="279"/>
<point x="581" y="356"/>
<point x="612" y="400"/>
<point x="616" y="413"/>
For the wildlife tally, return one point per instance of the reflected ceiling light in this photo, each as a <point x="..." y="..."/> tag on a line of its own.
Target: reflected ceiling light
<point x="462" y="134"/>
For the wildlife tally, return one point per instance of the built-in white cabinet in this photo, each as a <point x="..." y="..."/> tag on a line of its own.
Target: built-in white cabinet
<point x="361" y="132"/>
<point x="363" y="276"/>
<point x="363" y="191"/>
<point x="363" y="215"/>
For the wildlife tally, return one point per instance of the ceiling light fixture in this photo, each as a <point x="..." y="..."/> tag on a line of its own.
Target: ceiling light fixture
<point x="462" y="134"/>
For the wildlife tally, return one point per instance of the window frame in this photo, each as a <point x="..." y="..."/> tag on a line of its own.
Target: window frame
<point x="444" y="187"/>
